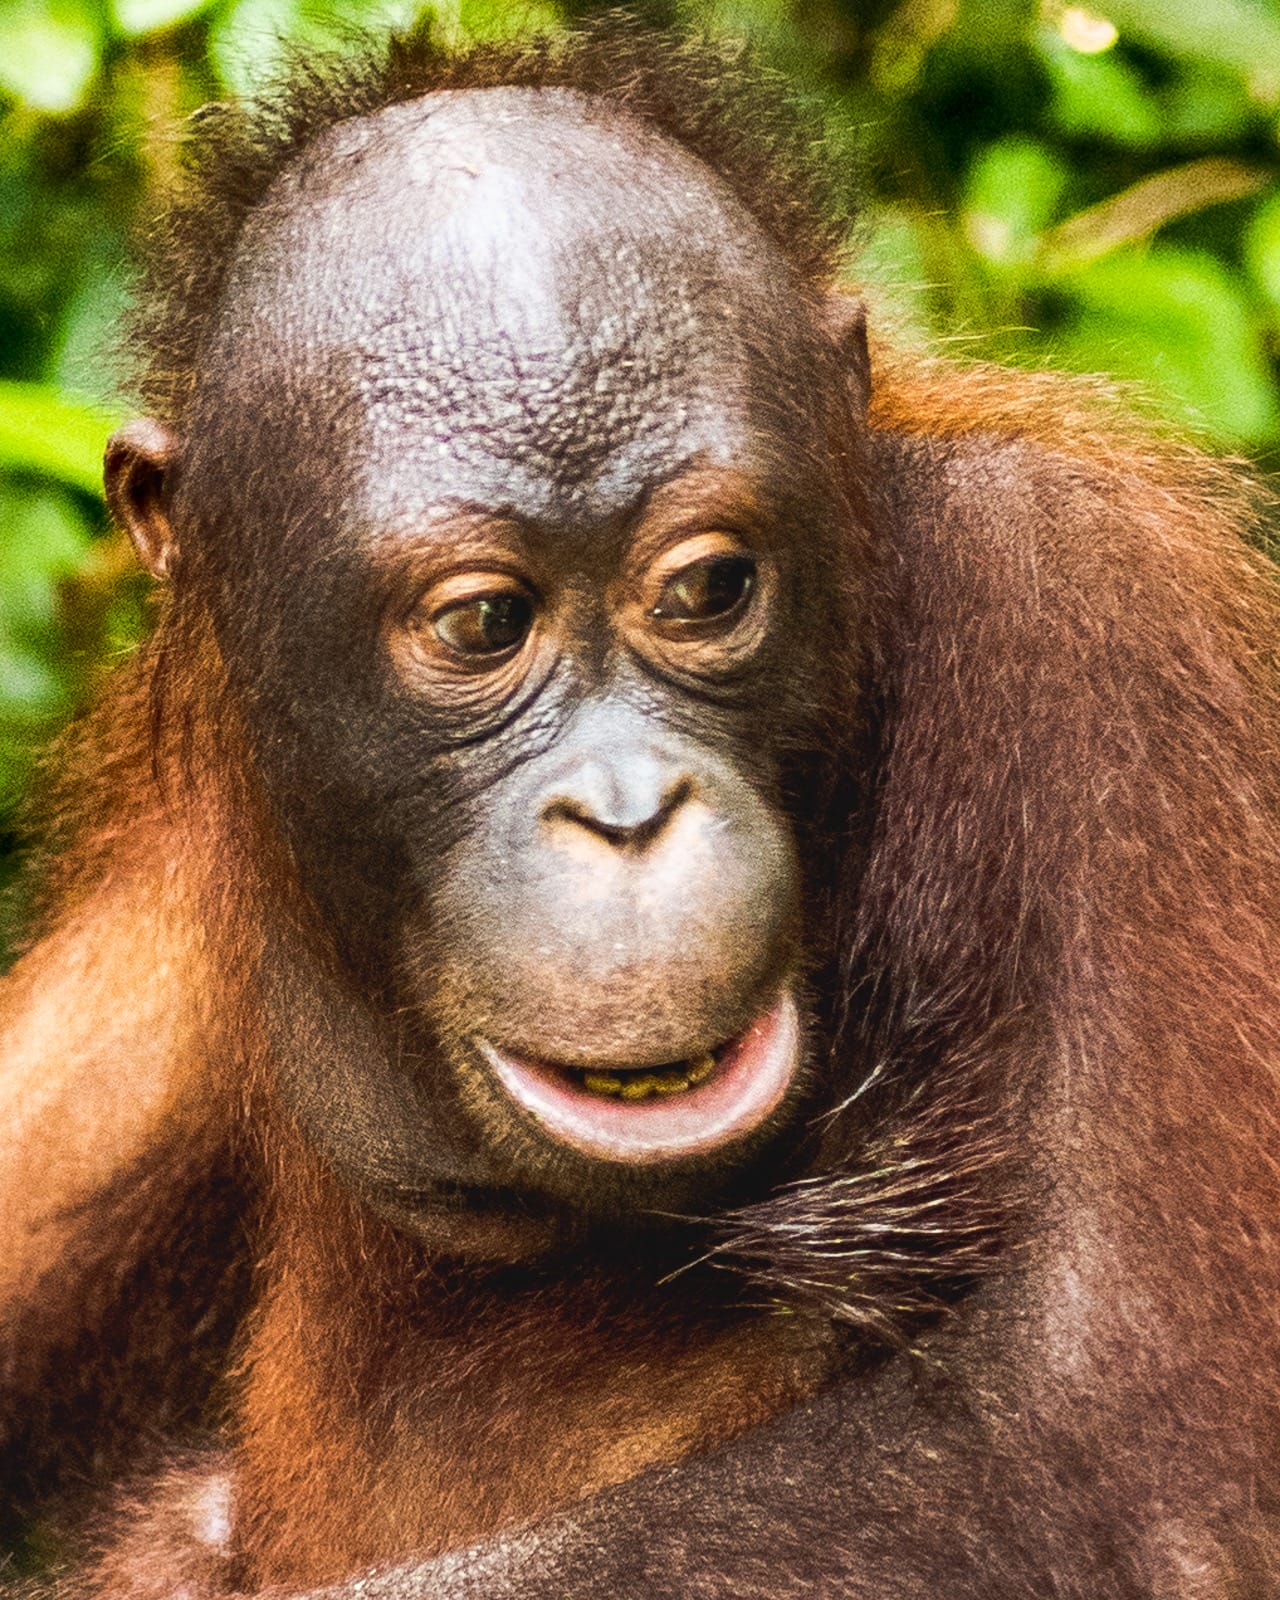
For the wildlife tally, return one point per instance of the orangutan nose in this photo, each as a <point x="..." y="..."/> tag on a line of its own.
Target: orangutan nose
<point x="628" y="801"/>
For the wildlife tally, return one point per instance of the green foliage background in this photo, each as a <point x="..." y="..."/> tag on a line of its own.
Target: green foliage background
<point x="1093" y="189"/>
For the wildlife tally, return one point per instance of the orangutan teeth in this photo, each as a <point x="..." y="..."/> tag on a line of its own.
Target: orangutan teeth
<point x="602" y="1082"/>
<point x="700" y="1068"/>
<point x="675" y="1079"/>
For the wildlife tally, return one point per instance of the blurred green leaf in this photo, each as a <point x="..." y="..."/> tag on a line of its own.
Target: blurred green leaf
<point x="49" y="51"/>
<point x="743" y="19"/>
<point x="893" y="265"/>
<point x="1206" y="103"/>
<point x="135" y="17"/>
<point x="43" y="430"/>
<point x="247" y="42"/>
<point x="505" y="19"/>
<point x="1262" y="249"/>
<point x="1174" y="321"/>
<point x="82" y="355"/>
<point x="1098" y="95"/>
<point x="1012" y="194"/>
<point x="43" y="539"/>
<point x="1242" y="34"/>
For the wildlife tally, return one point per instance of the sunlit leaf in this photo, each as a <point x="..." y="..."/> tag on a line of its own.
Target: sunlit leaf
<point x="1011" y="196"/>
<point x="44" y="430"/>
<point x="1099" y="95"/>
<point x="136" y="17"/>
<point x="1242" y="34"/>
<point x="1087" y="33"/>
<point x="506" y="19"/>
<point x="48" y="51"/>
<point x="1262" y="249"/>
<point x="1174" y="321"/>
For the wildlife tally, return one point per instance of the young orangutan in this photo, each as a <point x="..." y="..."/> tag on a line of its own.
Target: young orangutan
<point x="627" y="785"/>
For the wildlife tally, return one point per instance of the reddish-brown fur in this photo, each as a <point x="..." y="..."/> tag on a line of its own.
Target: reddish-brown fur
<point x="487" y="1403"/>
<point x="1086" y="761"/>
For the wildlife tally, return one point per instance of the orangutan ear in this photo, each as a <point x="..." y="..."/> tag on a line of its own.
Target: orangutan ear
<point x="845" y="318"/>
<point x="138" y="460"/>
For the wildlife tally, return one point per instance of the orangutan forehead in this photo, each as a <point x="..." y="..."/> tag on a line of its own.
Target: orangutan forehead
<point x="528" y="210"/>
<point x="559" y="148"/>
<point x="503" y="276"/>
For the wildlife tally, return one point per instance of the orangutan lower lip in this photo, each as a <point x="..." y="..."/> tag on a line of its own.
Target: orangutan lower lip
<point x="636" y="1123"/>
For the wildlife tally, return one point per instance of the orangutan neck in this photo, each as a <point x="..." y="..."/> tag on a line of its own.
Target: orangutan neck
<point x="377" y="1419"/>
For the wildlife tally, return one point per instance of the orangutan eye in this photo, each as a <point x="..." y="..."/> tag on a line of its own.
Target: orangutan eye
<point x="487" y="625"/>
<point x="715" y="587"/>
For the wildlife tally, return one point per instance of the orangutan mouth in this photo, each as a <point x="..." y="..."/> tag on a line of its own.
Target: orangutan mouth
<point x="661" y="1113"/>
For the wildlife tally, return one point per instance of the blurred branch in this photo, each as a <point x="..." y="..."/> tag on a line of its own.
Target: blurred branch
<point x="1141" y="210"/>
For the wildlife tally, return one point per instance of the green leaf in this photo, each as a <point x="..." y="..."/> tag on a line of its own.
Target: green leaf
<point x="1174" y="321"/>
<point x="762" y="20"/>
<point x="1206" y="103"/>
<point x="45" y="541"/>
<point x="83" y="352"/>
<point x="499" y="19"/>
<point x="43" y="430"/>
<point x="1262" y="249"/>
<point x="137" y="17"/>
<point x="1241" y="34"/>
<point x="49" y="51"/>
<point x="248" y="42"/>
<point x="1098" y="96"/>
<point x="45" y="537"/>
<point x="1011" y="195"/>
